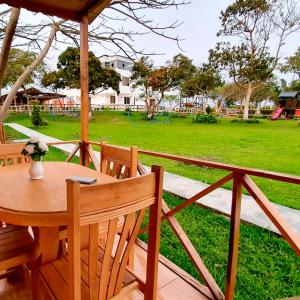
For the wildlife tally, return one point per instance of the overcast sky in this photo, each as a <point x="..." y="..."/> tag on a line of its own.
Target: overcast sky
<point x="198" y="31"/>
<point x="199" y="28"/>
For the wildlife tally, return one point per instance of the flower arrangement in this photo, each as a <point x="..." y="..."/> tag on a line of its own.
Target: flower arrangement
<point x="35" y="148"/>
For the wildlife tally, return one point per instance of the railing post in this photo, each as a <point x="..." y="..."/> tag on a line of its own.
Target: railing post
<point x="234" y="236"/>
<point x="84" y="156"/>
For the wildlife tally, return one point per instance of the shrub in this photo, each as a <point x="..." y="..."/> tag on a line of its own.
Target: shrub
<point x="208" y="109"/>
<point x="179" y="115"/>
<point x="36" y="118"/>
<point x="250" y="121"/>
<point x="208" y="119"/>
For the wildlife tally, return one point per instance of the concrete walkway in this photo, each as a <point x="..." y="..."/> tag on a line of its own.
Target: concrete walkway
<point x="219" y="200"/>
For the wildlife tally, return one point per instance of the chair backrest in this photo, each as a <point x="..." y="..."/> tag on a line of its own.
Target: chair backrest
<point x="91" y="205"/>
<point x="2" y="134"/>
<point x="119" y="162"/>
<point x="11" y="154"/>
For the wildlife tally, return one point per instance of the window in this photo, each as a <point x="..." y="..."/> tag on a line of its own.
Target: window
<point x="106" y="64"/>
<point x="126" y="100"/>
<point x="123" y="66"/>
<point x="112" y="99"/>
<point x="112" y="65"/>
<point x="125" y="81"/>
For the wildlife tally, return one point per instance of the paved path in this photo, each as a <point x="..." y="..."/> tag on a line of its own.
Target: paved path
<point x="219" y="200"/>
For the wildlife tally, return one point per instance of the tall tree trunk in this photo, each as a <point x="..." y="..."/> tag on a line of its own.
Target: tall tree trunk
<point x="28" y="71"/>
<point x="7" y="41"/>
<point x="247" y="101"/>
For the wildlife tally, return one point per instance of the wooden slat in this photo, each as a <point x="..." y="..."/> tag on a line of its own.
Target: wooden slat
<point x="199" y="195"/>
<point x="2" y="134"/>
<point x="154" y="238"/>
<point x="234" y="237"/>
<point x="93" y="158"/>
<point x="72" y="154"/>
<point x="193" y="254"/>
<point x="64" y="142"/>
<point x="270" y="210"/>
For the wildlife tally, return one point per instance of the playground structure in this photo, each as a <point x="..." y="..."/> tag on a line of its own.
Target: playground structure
<point x="289" y="106"/>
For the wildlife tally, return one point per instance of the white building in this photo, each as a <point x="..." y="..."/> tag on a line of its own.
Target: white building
<point x="127" y="95"/>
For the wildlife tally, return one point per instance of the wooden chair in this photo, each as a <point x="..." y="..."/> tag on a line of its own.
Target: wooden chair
<point x="11" y="154"/>
<point x="2" y="134"/>
<point x="119" y="162"/>
<point x="101" y="271"/>
<point x="17" y="246"/>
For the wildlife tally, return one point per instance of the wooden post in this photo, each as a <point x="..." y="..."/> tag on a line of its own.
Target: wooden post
<point x="84" y="84"/>
<point x="234" y="237"/>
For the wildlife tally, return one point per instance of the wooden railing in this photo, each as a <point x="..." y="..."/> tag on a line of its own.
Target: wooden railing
<point x="241" y="178"/>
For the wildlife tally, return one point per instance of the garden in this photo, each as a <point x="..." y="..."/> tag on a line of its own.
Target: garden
<point x="263" y="255"/>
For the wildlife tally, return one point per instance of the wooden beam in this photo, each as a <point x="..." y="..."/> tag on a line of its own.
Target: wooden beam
<point x="234" y="237"/>
<point x="96" y="9"/>
<point x="193" y="254"/>
<point x="46" y="9"/>
<point x="200" y="195"/>
<point x="84" y="84"/>
<point x="269" y="209"/>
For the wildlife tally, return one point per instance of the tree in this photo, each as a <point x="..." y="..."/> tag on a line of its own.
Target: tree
<point x="36" y="118"/>
<point x="201" y="84"/>
<point x="18" y="62"/>
<point x="111" y="30"/>
<point x="253" y="24"/>
<point x="68" y="73"/>
<point x="294" y="86"/>
<point x="170" y="77"/>
<point x="231" y="93"/>
<point x="20" y="81"/>
<point x="292" y="64"/>
<point x="7" y="42"/>
<point x="156" y="82"/>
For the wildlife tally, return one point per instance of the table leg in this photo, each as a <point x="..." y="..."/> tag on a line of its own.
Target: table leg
<point x="48" y="238"/>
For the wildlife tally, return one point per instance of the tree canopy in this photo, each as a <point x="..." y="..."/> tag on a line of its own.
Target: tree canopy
<point x="247" y="58"/>
<point x="68" y="73"/>
<point x="202" y="82"/>
<point x="292" y="64"/>
<point x="18" y="61"/>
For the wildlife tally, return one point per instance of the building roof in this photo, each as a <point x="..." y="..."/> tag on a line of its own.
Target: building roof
<point x="74" y="10"/>
<point x="37" y="94"/>
<point x="288" y="95"/>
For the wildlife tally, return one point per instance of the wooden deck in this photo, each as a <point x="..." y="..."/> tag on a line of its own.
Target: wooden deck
<point x="174" y="283"/>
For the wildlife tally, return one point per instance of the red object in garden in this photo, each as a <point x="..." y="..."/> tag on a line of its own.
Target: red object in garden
<point x="277" y="113"/>
<point x="297" y="113"/>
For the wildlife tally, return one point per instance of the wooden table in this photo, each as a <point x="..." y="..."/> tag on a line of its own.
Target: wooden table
<point x="39" y="203"/>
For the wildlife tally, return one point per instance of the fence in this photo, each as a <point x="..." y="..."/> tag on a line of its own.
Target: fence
<point x="241" y="178"/>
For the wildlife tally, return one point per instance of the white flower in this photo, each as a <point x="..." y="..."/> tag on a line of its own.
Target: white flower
<point x="34" y="139"/>
<point x="29" y="149"/>
<point x="43" y="146"/>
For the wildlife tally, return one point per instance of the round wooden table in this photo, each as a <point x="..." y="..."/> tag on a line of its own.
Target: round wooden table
<point x="31" y="201"/>
<point x="39" y="203"/>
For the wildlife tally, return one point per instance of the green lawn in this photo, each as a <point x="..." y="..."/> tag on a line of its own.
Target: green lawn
<point x="270" y="145"/>
<point x="268" y="267"/>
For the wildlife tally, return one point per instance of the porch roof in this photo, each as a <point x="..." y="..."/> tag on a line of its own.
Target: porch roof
<point x="74" y="10"/>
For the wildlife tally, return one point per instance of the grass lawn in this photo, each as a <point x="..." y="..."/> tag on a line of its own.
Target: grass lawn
<point x="270" y="145"/>
<point x="268" y="267"/>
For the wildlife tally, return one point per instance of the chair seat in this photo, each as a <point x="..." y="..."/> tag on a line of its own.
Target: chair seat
<point x="54" y="276"/>
<point x="16" y="246"/>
